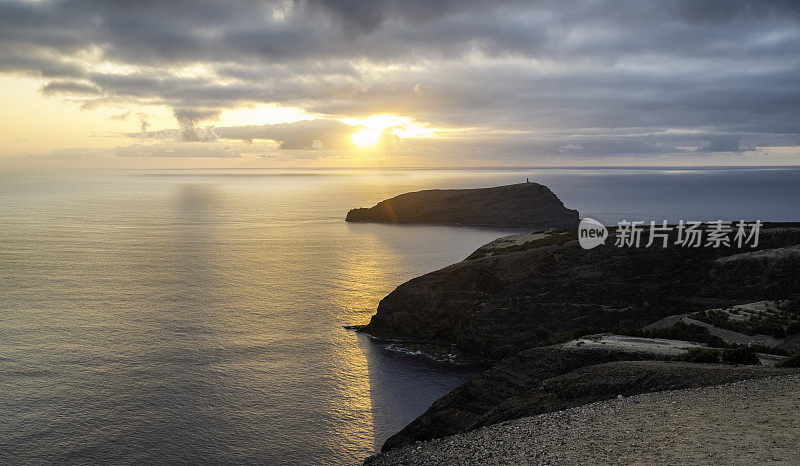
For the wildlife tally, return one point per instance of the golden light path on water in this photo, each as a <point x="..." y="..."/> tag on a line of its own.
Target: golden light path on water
<point x="196" y="315"/>
<point x="359" y="277"/>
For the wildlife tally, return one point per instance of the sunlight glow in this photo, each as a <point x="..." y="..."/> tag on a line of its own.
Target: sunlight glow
<point x="367" y="137"/>
<point x="36" y="124"/>
<point x="375" y="127"/>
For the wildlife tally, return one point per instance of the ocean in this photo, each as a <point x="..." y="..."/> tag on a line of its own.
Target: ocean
<point x="196" y="316"/>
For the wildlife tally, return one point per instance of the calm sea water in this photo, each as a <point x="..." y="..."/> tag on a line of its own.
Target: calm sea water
<point x="195" y="316"/>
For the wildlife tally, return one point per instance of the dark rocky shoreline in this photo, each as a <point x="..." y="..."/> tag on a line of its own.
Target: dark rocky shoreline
<point x="495" y="306"/>
<point x="552" y="378"/>
<point x="508" y="307"/>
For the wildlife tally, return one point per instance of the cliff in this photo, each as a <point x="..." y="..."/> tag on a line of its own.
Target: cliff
<point x="524" y="205"/>
<point x="495" y="305"/>
<point x="516" y="294"/>
<point x="579" y="372"/>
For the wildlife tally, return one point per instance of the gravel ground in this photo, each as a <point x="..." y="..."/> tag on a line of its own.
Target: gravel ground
<point x="748" y="422"/>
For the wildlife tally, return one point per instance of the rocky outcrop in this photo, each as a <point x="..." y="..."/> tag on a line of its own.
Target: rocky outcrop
<point x="557" y="377"/>
<point x="472" y="404"/>
<point x="524" y="205"/>
<point x="514" y="295"/>
<point x="749" y="421"/>
<point x="496" y="305"/>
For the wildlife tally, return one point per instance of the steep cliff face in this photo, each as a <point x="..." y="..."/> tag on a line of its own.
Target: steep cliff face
<point x="497" y="305"/>
<point x="524" y="205"/>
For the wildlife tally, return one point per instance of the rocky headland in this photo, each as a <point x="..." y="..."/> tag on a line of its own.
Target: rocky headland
<point x="497" y="303"/>
<point x="563" y="327"/>
<point x="524" y="205"/>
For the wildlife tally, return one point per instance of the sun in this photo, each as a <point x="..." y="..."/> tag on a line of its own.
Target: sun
<point x="367" y="137"/>
<point x="374" y="127"/>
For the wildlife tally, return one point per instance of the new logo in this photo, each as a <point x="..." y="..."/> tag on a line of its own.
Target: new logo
<point x="591" y="233"/>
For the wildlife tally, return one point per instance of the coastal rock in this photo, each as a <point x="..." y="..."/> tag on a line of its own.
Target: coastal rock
<point x="553" y="378"/>
<point x="464" y="408"/>
<point x="528" y="295"/>
<point x="524" y="205"/>
<point x="749" y="421"/>
<point x="524" y="386"/>
<point x="514" y="295"/>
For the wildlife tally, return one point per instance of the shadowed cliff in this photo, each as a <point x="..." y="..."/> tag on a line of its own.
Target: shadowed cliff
<point x="496" y="305"/>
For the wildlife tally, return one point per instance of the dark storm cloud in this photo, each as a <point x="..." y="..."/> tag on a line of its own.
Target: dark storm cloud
<point x="724" y="74"/>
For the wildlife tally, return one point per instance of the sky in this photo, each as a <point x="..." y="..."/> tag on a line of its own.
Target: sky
<point x="246" y="83"/>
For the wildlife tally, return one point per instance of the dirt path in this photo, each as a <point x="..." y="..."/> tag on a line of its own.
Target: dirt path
<point x="748" y="422"/>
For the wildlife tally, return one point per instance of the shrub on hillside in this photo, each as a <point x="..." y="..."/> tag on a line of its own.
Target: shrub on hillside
<point x="710" y="355"/>
<point x="760" y="322"/>
<point x="791" y="305"/>
<point x="767" y="349"/>
<point x="791" y="361"/>
<point x="741" y="355"/>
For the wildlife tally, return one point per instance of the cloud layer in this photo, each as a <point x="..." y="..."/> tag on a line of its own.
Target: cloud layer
<point x="593" y="78"/>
